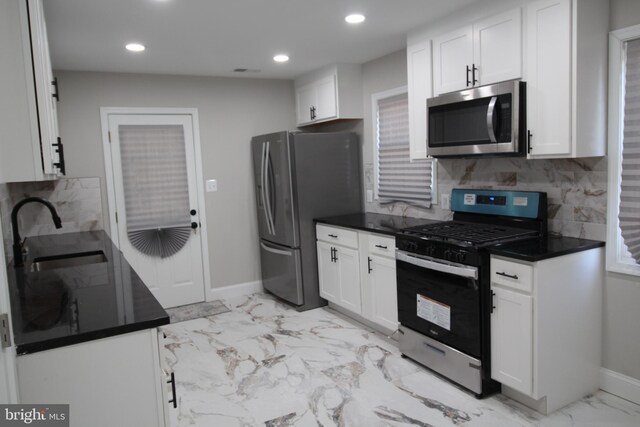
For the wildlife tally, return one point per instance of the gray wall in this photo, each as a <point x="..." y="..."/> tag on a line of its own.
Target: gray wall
<point x="230" y="111"/>
<point x="577" y="192"/>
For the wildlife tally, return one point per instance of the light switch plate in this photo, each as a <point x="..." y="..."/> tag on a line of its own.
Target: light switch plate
<point x="212" y="185"/>
<point x="444" y="202"/>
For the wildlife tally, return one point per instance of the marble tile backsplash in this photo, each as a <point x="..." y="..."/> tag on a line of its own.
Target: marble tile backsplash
<point x="576" y="189"/>
<point x="77" y="201"/>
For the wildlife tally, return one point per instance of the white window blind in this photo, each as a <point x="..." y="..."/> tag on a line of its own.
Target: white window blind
<point x="629" y="213"/>
<point x="156" y="189"/>
<point x="398" y="178"/>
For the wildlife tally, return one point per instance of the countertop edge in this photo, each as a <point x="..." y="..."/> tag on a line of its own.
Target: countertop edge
<point x="32" y="348"/>
<point x="354" y="227"/>
<point x="551" y="254"/>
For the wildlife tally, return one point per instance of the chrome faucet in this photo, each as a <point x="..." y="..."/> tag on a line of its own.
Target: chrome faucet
<point x="17" y="243"/>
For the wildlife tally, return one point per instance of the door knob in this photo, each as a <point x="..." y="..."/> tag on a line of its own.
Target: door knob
<point x="192" y="212"/>
<point x="194" y="225"/>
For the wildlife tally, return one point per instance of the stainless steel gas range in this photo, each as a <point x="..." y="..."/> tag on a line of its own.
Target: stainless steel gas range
<point x="444" y="297"/>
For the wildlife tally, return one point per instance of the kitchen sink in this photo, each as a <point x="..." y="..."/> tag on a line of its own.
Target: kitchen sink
<point x="67" y="260"/>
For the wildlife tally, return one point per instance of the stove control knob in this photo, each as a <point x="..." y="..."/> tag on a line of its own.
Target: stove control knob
<point x="447" y="254"/>
<point x="460" y="256"/>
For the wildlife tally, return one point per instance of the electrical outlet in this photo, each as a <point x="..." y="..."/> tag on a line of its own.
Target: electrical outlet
<point x="212" y="185"/>
<point x="444" y="202"/>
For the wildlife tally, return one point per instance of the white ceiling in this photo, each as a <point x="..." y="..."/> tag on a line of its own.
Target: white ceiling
<point x="212" y="37"/>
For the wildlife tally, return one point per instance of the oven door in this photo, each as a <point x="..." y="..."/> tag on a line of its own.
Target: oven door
<point x="440" y="300"/>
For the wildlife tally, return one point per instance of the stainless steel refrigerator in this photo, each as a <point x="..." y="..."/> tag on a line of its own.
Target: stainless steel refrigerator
<point x="299" y="177"/>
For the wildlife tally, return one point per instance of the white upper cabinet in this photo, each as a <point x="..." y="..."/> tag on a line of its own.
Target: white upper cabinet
<point x="331" y="93"/>
<point x="28" y="117"/>
<point x="497" y="47"/>
<point x="452" y="61"/>
<point x="419" y="90"/>
<point x="486" y="52"/>
<point x="565" y="71"/>
<point x="46" y="91"/>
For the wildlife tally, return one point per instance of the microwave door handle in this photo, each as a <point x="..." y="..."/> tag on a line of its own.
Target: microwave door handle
<point x="491" y="112"/>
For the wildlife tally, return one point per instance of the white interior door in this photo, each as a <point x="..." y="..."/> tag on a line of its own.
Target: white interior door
<point x="156" y="198"/>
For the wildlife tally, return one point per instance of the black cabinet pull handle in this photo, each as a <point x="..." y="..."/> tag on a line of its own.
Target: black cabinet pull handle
<point x="172" y="381"/>
<point x="335" y="255"/>
<point x="333" y="235"/>
<point x="493" y="294"/>
<point x="529" y="135"/>
<point x="475" y="81"/>
<point x="369" y="264"/>
<point x="510" y="276"/>
<point x="468" y="81"/>
<point x="381" y="246"/>
<point x="56" y="95"/>
<point x="60" y="164"/>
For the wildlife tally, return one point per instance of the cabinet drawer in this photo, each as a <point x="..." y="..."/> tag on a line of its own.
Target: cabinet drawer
<point x="511" y="274"/>
<point x="382" y="245"/>
<point x="339" y="236"/>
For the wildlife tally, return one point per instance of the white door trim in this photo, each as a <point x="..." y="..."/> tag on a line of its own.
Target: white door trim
<point x="108" y="167"/>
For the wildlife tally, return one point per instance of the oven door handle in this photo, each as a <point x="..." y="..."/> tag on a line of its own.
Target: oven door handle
<point x="443" y="267"/>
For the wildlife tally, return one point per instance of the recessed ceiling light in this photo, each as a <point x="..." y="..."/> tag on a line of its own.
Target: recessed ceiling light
<point x="135" y="47"/>
<point x="281" y="58"/>
<point x="355" y="18"/>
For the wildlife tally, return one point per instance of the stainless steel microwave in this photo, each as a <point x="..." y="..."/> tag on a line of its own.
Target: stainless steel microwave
<point x="487" y="120"/>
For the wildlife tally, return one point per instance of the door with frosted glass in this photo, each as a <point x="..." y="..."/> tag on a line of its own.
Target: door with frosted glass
<point x="155" y="186"/>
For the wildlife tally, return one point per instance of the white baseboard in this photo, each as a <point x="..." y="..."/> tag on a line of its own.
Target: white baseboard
<point x="231" y="291"/>
<point x="620" y="385"/>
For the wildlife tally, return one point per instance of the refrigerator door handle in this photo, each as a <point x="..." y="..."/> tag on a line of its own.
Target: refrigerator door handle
<point x="262" y="185"/>
<point x="267" y="192"/>
<point x="274" y="251"/>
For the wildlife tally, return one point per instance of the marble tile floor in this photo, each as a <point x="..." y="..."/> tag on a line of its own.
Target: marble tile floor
<point x="264" y="364"/>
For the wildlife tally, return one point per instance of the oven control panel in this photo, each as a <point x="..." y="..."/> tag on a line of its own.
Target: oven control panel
<point x="523" y="204"/>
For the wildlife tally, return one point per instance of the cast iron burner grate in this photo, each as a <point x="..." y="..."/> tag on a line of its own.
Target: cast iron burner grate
<point x="469" y="233"/>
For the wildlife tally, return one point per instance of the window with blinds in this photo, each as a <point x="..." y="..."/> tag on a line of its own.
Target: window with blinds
<point x="398" y="178"/>
<point x="629" y="210"/>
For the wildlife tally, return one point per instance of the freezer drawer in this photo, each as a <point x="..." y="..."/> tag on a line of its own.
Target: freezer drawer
<point x="282" y="271"/>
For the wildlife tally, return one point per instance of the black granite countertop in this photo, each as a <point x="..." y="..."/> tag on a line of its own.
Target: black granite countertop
<point x="545" y="248"/>
<point x="63" y="306"/>
<point x="376" y="223"/>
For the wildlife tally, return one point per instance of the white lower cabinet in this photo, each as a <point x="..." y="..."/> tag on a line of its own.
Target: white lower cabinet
<point x="511" y="339"/>
<point x="339" y="275"/>
<point x="546" y="328"/>
<point x="379" y="292"/>
<point x="114" y="381"/>
<point x="357" y="272"/>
